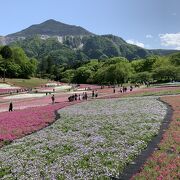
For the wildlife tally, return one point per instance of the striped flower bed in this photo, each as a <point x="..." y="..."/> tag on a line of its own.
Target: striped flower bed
<point x="18" y="123"/>
<point x="94" y="139"/>
<point x="165" y="162"/>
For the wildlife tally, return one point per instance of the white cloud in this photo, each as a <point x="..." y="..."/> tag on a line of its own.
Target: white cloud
<point x="170" y="40"/>
<point x="149" y="36"/>
<point x="177" y="48"/>
<point x="137" y="43"/>
<point x="174" y="14"/>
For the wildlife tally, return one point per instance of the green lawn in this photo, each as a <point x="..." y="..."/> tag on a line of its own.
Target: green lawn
<point x="158" y="93"/>
<point x="29" y="83"/>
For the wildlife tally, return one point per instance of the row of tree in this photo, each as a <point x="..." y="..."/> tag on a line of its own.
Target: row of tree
<point x="119" y="70"/>
<point x="14" y="63"/>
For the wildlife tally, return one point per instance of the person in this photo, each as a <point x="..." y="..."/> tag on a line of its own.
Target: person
<point x="53" y="99"/>
<point x="114" y="90"/>
<point x="75" y="97"/>
<point x="131" y="88"/>
<point x="93" y="94"/>
<point x="79" y="97"/>
<point x="96" y="93"/>
<point x="10" y="107"/>
<point x="85" y="96"/>
<point x="125" y="89"/>
<point x="70" y="98"/>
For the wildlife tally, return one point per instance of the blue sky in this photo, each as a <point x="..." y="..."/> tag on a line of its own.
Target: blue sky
<point x="147" y="23"/>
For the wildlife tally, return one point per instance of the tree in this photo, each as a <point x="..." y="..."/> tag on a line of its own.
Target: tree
<point x="117" y="73"/>
<point x="146" y="64"/>
<point x="6" y="53"/>
<point x="175" y="59"/>
<point x="82" y="74"/>
<point x="165" y="73"/>
<point x="68" y="75"/>
<point x="13" y="70"/>
<point x="178" y="74"/>
<point x="28" y="66"/>
<point x="99" y="76"/>
<point x="138" y="65"/>
<point x="141" y="77"/>
<point x="114" y="71"/>
<point x="34" y="64"/>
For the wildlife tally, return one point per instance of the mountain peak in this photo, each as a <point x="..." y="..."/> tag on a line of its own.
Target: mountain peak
<point x="52" y="21"/>
<point x="52" y="27"/>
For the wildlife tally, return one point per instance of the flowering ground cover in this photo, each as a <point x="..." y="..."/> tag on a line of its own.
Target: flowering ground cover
<point x="5" y="91"/>
<point x="172" y="91"/>
<point x="56" y="88"/>
<point x="25" y="95"/>
<point x="91" y="86"/>
<point x="138" y="92"/>
<point x="164" y="163"/>
<point x="95" y="139"/>
<point x="22" y="122"/>
<point x="6" y="88"/>
<point x="30" y="101"/>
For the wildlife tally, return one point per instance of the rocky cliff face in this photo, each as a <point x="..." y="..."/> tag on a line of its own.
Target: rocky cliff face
<point x="5" y="40"/>
<point x="74" y="42"/>
<point x="2" y="40"/>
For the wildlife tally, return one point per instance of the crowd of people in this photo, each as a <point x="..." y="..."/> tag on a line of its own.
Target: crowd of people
<point x="123" y="89"/>
<point x="79" y="97"/>
<point x="83" y="96"/>
<point x="94" y="93"/>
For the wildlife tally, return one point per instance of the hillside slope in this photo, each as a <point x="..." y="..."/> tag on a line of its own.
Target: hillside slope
<point x="72" y="43"/>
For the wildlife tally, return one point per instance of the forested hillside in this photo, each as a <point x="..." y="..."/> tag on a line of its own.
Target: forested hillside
<point x="72" y="54"/>
<point x="14" y="63"/>
<point x="120" y="70"/>
<point x="58" y="38"/>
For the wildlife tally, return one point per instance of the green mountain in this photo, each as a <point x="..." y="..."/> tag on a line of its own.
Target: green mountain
<point x="82" y="48"/>
<point x="71" y="44"/>
<point x="111" y="46"/>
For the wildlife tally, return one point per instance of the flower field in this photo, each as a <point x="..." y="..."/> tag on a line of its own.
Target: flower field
<point x="56" y="88"/>
<point x="22" y="122"/>
<point x="24" y="100"/>
<point x="94" y="139"/>
<point x="165" y="162"/>
<point x="24" y="95"/>
<point x="6" y="88"/>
